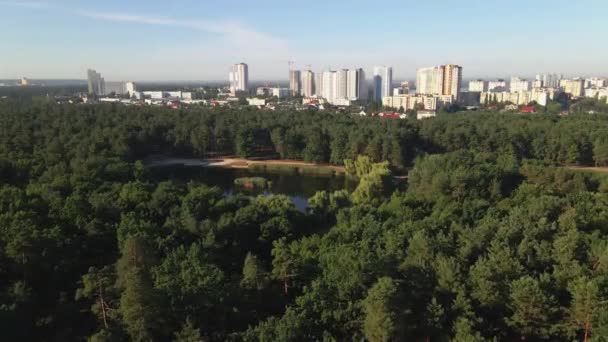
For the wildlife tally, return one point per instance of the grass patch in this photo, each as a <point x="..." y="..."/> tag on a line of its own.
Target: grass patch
<point x="253" y="183"/>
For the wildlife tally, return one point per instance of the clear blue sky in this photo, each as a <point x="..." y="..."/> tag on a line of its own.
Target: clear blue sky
<point x="199" y="39"/>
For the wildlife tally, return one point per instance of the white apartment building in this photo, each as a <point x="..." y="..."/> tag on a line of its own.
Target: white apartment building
<point x="96" y="83"/>
<point x="595" y="92"/>
<point x="413" y="101"/>
<point x="355" y="88"/>
<point x="497" y="85"/>
<point x="308" y="83"/>
<point x="338" y="86"/>
<point x="440" y="80"/>
<point x="478" y="86"/>
<point x="279" y="93"/>
<point x="382" y="82"/>
<point x="574" y="87"/>
<point x="341" y="83"/>
<point x="239" y="78"/>
<point x="318" y="90"/>
<point x="547" y="81"/>
<point x="519" y="84"/>
<point x="329" y="86"/>
<point x="522" y="98"/>
<point x="131" y="88"/>
<point x="596" y="82"/>
<point x="429" y="80"/>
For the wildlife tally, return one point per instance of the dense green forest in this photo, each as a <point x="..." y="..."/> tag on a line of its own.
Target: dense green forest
<point x="493" y="239"/>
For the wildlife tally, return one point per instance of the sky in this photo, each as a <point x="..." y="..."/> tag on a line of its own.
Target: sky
<point x="153" y="40"/>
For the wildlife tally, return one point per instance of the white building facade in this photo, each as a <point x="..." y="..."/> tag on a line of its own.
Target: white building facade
<point x="239" y="78"/>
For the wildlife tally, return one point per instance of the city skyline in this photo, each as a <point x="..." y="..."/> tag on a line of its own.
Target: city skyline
<point x="145" y="41"/>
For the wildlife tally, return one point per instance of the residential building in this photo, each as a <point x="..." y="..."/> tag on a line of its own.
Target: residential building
<point x="239" y="78"/>
<point x="518" y="84"/>
<point x="595" y="92"/>
<point x="452" y="80"/>
<point x="280" y="93"/>
<point x="295" y="82"/>
<point x="499" y="85"/>
<point x="440" y="80"/>
<point x="341" y="83"/>
<point x="478" y="86"/>
<point x="429" y="80"/>
<point x="522" y="98"/>
<point x="308" y="83"/>
<point x="131" y="88"/>
<point x="356" y="88"/>
<point x="96" y="83"/>
<point x="254" y="101"/>
<point x="319" y="84"/>
<point x="117" y="88"/>
<point x="574" y="87"/>
<point x="415" y="101"/>
<point x="329" y="86"/>
<point x="547" y="81"/>
<point x="595" y="82"/>
<point x="382" y="82"/>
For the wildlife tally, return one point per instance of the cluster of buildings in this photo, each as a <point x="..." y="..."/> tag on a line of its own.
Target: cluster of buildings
<point x="542" y="89"/>
<point x="127" y="93"/>
<point x="436" y="87"/>
<point x="98" y="86"/>
<point x="337" y="87"/>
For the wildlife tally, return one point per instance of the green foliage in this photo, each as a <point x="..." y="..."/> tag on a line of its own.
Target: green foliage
<point x="188" y="333"/>
<point x="493" y="238"/>
<point x="381" y="307"/>
<point x="254" y="275"/>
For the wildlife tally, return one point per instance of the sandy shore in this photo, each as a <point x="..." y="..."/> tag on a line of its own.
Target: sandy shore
<point x="236" y="163"/>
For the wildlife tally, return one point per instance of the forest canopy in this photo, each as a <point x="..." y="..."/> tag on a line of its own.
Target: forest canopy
<point x="494" y="237"/>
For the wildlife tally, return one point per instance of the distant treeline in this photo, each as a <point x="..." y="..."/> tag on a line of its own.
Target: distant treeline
<point x="132" y="133"/>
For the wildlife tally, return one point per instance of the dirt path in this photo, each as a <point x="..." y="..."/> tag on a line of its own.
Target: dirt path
<point x="598" y="169"/>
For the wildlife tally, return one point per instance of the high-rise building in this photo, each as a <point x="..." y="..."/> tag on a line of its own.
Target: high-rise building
<point x="440" y="80"/>
<point x="356" y="89"/>
<point x="519" y="84"/>
<point x="329" y="89"/>
<point x="308" y="83"/>
<point x="574" y="87"/>
<point x="452" y="80"/>
<point x="131" y="88"/>
<point x="548" y="80"/>
<point x="429" y="80"/>
<point x="382" y="82"/>
<point x="341" y="83"/>
<point x="319" y="84"/>
<point x="478" y="86"/>
<point x="295" y="82"/>
<point x="96" y="83"/>
<point x="239" y="78"/>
